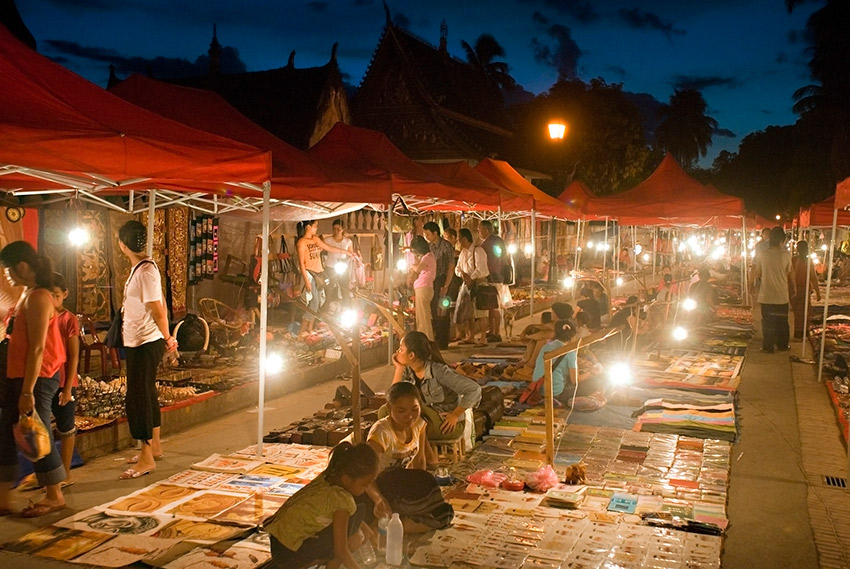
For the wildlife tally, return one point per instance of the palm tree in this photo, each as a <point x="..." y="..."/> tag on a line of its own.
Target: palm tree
<point x="482" y="57"/>
<point x="685" y="130"/>
<point x="828" y="101"/>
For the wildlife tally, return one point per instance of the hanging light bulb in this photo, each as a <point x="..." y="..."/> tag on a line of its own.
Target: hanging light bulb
<point x="512" y="248"/>
<point x="679" y="333"/>
<point x="401" y="264"/>
<point x="348" y="318"/>
<point x="78" y="237"/>
<point x="689" y="304"/>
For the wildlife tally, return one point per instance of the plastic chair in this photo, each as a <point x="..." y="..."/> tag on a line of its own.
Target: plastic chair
<point x="91" y="342"/>
<point x="223" y="321"/>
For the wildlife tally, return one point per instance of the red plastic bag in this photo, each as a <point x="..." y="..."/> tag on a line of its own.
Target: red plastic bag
<point x="542" y="479"/>
<point x="487" y="478"/>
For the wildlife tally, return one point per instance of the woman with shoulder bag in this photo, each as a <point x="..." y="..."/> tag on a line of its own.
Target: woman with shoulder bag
<point x="146" y="339"/>
<point x="35" y="355"/>
<point x="472" y="268"/>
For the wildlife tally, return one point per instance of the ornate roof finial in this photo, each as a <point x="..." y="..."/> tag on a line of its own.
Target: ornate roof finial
<point x="215" y="54"/>
<point x="291" y="63"/>
<point x="387" y="12"/>
<point x="444" y="35"/>
<point x="333" y="52"/>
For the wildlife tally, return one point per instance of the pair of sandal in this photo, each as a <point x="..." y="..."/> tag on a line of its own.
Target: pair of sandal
<point x="35" y="510"/>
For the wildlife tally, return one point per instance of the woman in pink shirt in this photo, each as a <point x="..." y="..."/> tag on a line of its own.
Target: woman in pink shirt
<point x="425" y="268"/>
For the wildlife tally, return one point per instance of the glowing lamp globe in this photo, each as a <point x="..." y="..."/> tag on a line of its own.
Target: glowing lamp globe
<point x="557" y="130"/>
<point x="528" y="249"/>
<point x="274" y="363"/>
<point x="679" y="333"/>
<point x="619" y="281"/>
<point x="348" y="318"/>
<point x="569" y="282"/>
<point x="512" y="248"/>
<point x="689" y="304"/>
<point x="620" y="374"/>
<point x="401" y="264"/>
<point x="340" y="268"/>
<point x="78" y="237"/>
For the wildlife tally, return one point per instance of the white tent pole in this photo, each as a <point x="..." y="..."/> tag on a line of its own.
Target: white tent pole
<point x="264" y="314"/>
<point x="826" y="297"/>
<point x="533" y="261"/>
<point x="389" y="273"/>
<point x="743" y="259"/>
<point x="605" y="252"/>
<point x="806" y="305"/>
<point x="577" y="262"/>
<point x="151" y="216"/>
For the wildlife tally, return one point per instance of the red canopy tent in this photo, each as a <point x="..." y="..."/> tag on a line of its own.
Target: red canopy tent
<point x="668" y="195"/>
<point x="461" y="173"/>
<point x="371" y="153"/>
<point x="59" y="130"/>
<point x="820" y="214"/>
<point x="500" y="172"/>
<point x="295" y="175"/>
<point x="576" y="195"/>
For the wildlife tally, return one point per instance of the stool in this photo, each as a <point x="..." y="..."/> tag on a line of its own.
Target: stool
<point x="451" y="449"/>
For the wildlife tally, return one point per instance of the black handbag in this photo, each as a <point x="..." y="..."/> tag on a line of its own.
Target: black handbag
<point x="486" y="297"/>
<point x="114" y="336"/>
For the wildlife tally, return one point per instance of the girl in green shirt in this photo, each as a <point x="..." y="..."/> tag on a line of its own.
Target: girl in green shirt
<point x="323" y="519"/>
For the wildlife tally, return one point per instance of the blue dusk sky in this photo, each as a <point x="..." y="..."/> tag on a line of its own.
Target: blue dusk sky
<point x="747" y="57"/>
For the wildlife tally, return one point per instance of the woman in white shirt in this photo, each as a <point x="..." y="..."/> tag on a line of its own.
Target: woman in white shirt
<point x="146" y="339"/>
<point x="472" y="268"/>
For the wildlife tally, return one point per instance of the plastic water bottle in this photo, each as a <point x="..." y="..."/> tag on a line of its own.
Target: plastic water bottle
<point x="367" y="554"/>
<point x="383" y="522"/>
<point x="395" y="539"/>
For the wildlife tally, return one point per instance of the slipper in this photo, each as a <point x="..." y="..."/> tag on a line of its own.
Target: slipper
<point x="135" y="458"/>
<point x="131" y="473"/>
<point x="30" y="483"/>
<point x="40" y="509"/>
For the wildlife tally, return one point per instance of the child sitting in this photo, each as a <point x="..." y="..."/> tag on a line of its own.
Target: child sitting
<point x="322" y="522"/>
<point x="401" y="442"/>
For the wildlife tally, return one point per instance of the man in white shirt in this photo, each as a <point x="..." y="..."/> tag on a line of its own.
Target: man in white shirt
<point x="773" y="268"/>
<point x="338" y="264"/>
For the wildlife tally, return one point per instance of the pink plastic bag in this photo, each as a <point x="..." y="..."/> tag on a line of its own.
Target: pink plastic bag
<point x="487" y="478"/>
<point x="542" y="479"/>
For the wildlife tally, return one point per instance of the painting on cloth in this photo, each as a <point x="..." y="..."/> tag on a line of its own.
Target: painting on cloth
<point x="178" y="255"/>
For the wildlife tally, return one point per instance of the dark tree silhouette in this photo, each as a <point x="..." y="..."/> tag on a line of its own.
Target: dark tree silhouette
<point x="685" y="130"/>
<point x="483" y="57"/>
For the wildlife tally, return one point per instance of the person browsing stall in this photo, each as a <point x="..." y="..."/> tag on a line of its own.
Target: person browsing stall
<point x="64" y="402"/>
<point x="472" y="269"/>
<point x="35" y="355"/>
<point x="450" y="394"/>
<point x="444" y="257"/>
<point x="323" y="522"/>
<point x="146" y="339"/>
<point x="310" y="247"/>
<point x="339" y="240"/>
<point x="424" y="269"/>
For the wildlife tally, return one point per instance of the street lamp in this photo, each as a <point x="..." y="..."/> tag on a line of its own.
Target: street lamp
<point x="557" y="129"/>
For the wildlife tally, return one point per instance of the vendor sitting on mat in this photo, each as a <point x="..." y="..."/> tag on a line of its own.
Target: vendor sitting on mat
<point x="449" y="397"/>
<point x="544" y="331"/>
<point x="400" y="441"/>
<point x="581" y="391"/>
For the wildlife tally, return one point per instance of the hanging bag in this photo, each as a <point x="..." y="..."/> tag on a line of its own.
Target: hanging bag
<point x="485" y="296"/>
<point x="115" y="335"/>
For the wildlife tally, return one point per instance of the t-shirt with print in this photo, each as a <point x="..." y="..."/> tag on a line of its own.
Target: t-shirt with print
<point x="398" y="453"/>
<point x="309" y="511"/>
<point x="69" y="326"/>
<point x="143" y="286"/>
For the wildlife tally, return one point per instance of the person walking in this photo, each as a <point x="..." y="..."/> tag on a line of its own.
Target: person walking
<point x="146" y="339"/>
<point x="803" y="296"/>
<point x="424" y="269"/>
<point x="443" y="252"/>
<point x="35" y="355"/>
<point x="496" y="252"/>
<point x="773" y="270"/>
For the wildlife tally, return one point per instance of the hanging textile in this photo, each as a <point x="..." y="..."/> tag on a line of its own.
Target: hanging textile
<point x="92" y="270"/>
<point x="159" y="245"/>
<point x="119" y="264"/>
<point x="203" y="248"/>
<point x="178" y="258"/>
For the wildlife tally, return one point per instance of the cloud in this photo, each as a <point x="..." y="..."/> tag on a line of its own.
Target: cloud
<point x="617" y="70"/>
<point x="724" y="132"/>
<point x="318" y="6"/>
<point x="100" y="5"/>
<point x="638" y="19"/>
<point x="698" y="82"/>
<point x="401" y="21"/>
<point x="539" y="18"/>
<point x="163" y="67"/>
<point x="580" y="10"/>
<point x="564" y="57"/>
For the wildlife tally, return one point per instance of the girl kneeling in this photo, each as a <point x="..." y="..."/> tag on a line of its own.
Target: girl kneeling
<point x="319" y="521"/>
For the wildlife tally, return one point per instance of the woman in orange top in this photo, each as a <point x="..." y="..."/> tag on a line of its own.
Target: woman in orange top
<point x="35" y="355"/>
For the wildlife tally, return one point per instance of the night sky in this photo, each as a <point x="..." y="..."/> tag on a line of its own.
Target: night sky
<point x="747" y="57"/>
